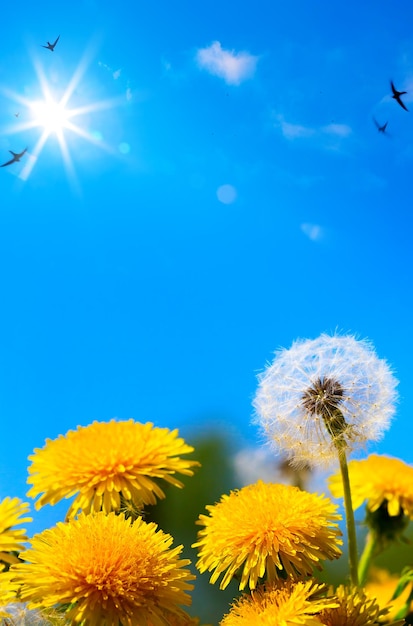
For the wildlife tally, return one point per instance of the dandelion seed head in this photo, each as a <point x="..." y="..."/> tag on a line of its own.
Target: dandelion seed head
<point x="21" y="615"/>
<point x="321" y="390"/>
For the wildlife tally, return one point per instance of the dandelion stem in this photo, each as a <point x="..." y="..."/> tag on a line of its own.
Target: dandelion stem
<point x="350" y="523"/>
<point x="365" y="559"/>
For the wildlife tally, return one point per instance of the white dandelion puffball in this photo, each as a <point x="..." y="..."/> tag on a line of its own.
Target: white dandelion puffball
<point x="321" y="390"/>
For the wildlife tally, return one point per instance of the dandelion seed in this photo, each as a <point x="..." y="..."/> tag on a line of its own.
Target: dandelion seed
<point x="21" y="615"/>
<point x="324" y="391"/>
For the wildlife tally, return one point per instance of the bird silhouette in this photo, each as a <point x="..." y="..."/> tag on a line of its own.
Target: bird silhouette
<point x="380" y="128"/>
<point x="16" y="157"/>
<point x="51" y="46"/>
<point x="396" y="95"/>
<point x="17" y="114"/>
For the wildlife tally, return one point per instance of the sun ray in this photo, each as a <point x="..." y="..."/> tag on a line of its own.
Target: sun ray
<point x="81" y="132"/>
<point x="51" y="114"/>
<point x="97" y="106"/>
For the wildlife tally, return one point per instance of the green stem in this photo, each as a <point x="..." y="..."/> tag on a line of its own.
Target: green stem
<point x="367" y="555"/>
<point x="350" y="523"/>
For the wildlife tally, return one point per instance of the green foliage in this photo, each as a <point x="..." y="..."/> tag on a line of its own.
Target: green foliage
<point x="177" y="515"/>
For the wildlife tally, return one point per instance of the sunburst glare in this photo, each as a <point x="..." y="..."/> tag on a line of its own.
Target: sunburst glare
<point x="54" y="117"/>
<point x="51" y="115"/>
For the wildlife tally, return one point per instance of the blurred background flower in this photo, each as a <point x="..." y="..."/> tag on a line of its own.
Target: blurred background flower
<point x="381" y="586"/>
<point x="379" y="480"/>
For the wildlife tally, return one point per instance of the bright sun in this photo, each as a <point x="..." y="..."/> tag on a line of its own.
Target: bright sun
<point x="51" y="115"/>
<point x="54" y="117"/>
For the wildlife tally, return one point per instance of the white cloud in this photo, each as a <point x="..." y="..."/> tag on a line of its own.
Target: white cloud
<point x="339" y="130"/>
<point x="293" y="131"/>
<point x="233" y="67"/>
<point x="116" y="74"/>
<point x="324" y="134"/>
<point x="312" y="231"/>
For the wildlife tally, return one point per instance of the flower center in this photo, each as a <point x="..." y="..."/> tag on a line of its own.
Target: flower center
<point x="324" y="398"/>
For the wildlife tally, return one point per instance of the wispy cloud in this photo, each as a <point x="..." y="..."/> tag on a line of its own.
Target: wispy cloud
<point x="313" y="231"/>
<point x="166" y="65"/>
<point x="116" y="74"/>
<point x="233" y="67"/>
<point x="338" y="130"/>
<point x="292" y="131"/>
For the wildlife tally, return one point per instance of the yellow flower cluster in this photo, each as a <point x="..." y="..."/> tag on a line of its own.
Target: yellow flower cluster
<point x="105" y="565"/>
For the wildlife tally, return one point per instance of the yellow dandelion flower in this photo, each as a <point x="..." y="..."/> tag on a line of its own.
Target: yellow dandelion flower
<point x="108" y="570"/>
<point x="382" y="586"/>
<point x="8" y="592"/>
<point x="355" y="608"/>
<point x="12" y="512"/>
<point x="379" y="480"/>
<point x="270" y="529"/>
<point x="107" y="464"/>
<point x="285" y="603"/>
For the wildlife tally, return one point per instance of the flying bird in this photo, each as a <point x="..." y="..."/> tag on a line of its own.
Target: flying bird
<point x="51" y="46"/>
<point x="396" y="95"/>
<point x="16" y="157"/>
<point x="380" y="128"/>
<point x="17" y="114"/>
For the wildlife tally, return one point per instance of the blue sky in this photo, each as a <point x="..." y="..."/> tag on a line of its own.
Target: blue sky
<point x="223" y="192"/>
